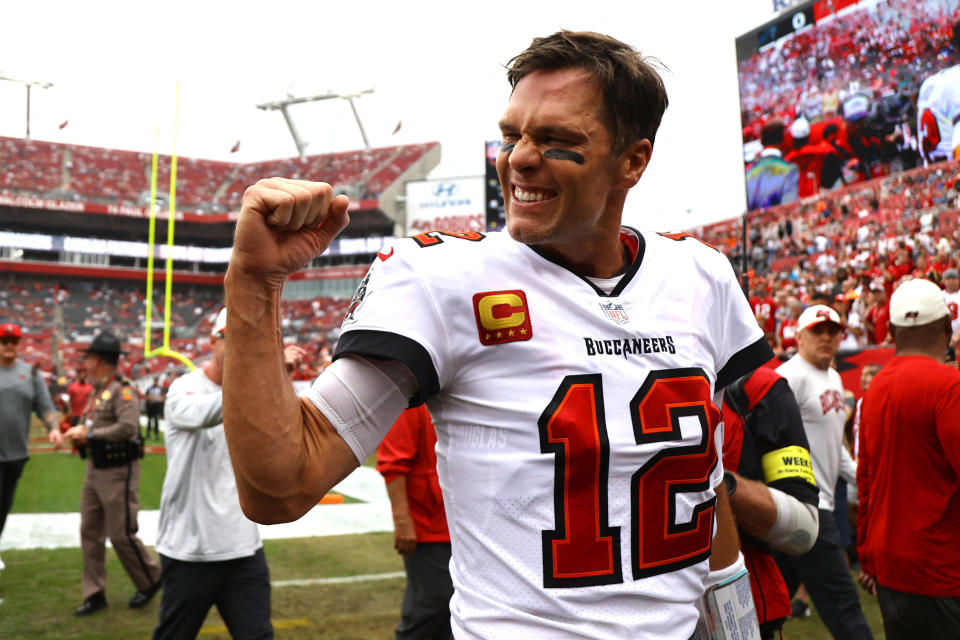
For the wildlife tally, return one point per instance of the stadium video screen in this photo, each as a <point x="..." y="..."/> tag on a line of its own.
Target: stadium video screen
<point x="841" y="95"/>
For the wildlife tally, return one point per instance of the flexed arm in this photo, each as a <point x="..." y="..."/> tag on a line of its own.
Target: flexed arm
<point x="285" y="453"/>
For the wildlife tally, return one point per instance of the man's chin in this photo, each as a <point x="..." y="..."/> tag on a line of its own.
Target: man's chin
<point x="522" y="231"/>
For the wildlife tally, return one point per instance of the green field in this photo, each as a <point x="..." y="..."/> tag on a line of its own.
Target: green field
<point x="40" y="588"/>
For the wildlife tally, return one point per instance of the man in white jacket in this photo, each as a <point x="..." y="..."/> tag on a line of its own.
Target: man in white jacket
<point x="819" y="392"/>
<point x="210" y="552"/>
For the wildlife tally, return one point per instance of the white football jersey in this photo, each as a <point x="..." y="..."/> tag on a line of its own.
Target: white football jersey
<point x="953" y="306"/>
<point x="577" y="444"/>
<point x="938" y="112"/>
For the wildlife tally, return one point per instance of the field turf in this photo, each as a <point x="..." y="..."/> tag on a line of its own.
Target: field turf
<point x="40" y="588"/>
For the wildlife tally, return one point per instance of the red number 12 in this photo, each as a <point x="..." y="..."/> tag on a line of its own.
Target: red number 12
<point x="583" y="550"/>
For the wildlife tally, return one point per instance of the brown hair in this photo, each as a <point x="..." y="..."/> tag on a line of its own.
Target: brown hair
<point x="633" y="92"/>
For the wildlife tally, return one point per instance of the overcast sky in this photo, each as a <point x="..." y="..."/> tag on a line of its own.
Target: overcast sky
<point x="437" y="67"/>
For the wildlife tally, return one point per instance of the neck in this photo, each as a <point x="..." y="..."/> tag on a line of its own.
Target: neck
<point x="604" y="258"/>
<point x="8" y="362"/>
<point x="939" y="355"/>
<point x="101" y="376"/>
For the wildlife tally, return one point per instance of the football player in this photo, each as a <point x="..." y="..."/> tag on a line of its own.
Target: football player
<point x="570" y="366"/>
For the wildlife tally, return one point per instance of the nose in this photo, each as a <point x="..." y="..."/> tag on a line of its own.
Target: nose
<point x="525" y="155"/>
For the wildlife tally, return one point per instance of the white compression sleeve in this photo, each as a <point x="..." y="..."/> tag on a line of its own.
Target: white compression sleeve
<point x="362" y="399"/>
<point x="797" y="525"/>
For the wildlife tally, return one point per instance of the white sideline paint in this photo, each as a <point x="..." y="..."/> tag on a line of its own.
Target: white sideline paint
<point x="369" y="577"/>
<point x="54" y="530"/>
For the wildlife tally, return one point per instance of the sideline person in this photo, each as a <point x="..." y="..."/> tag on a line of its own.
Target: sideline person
<point x="22" y="393"/>
<point x="109" y="435"/>
<point x="770" y="482"/>
<point x="570" y="366"/>
<point x="408" y="464"/>
<point x="908" y="478"/>
<point x="819" y="393"/>
<point x="210" y="552"/>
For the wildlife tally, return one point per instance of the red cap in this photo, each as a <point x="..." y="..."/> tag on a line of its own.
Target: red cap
<point x="9" y="330"/>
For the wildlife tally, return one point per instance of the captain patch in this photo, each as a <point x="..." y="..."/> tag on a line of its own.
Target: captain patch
<point x="502" y="316"/>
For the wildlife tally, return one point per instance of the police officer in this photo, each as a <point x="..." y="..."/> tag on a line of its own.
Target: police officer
<point x="110" y="434"/>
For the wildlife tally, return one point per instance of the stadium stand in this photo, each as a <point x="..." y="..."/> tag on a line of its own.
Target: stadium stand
<point x="110" y="176"/>
<point x="63" y="296"/>
<point x="885" y="49"/>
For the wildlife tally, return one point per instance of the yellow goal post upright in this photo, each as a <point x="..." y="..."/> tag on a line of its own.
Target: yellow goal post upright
<point x="163" y="350"/>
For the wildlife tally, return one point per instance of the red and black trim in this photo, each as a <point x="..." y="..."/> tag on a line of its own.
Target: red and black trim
<point x="659" y="543"/>
<point x="745" y="361"/>
<point x="633" y="243"/>
<point x="583" y="550"/>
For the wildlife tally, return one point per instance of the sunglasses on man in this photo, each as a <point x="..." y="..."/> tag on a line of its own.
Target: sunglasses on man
<point x="9" y="340"/>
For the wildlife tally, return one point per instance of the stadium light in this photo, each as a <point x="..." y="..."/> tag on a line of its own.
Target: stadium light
<point x="282" y="107"/>
<point x="29" y="84"/>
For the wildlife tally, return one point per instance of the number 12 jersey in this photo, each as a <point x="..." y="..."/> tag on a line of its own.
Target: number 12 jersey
<point x="577" y="435"/>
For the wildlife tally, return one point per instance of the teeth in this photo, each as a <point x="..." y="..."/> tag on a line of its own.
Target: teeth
<point x="528" y="196"/>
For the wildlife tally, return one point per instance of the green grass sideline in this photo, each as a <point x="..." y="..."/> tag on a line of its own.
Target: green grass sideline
<point x="40" y="588"/>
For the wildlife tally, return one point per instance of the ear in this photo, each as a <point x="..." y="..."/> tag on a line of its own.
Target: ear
<point x="633" y="162"/>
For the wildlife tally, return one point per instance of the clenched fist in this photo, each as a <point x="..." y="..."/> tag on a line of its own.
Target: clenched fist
<point x="283" y="225"/>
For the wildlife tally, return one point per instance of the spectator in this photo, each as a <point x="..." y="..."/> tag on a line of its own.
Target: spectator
<point x="78" y="392"/>
<point x="909" y="464"/>
<point x="819" y="394"/>
<point x="210" y="552"/>
<point x="951" y="295"/>
<point x="22" y="393"/>
<point x="771" y="180"/>
<point x="878" y="316"/>
<point x="407" y="461"/>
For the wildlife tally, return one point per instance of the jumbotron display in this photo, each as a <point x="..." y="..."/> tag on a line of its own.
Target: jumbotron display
<point x="838" y="92"/>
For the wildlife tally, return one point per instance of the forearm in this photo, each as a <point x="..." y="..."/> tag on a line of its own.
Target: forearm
<point x="726" y="544"/>
<point x="285" y="453"/>
<point x="753" y="507"/>
<point x="50" y="420"/>
<point x="399" y="505"/>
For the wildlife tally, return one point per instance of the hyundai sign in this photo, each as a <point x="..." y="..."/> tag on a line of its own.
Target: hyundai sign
<point x="447" y="205"/>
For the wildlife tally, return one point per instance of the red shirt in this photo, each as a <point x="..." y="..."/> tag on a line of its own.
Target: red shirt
<point x="788" y="333"/>
<point x="908" y="477"/>
<point x="78" y="392"/>
<point x="879" y="316"/>
<point x="765" y="310"/>
<point x="409" y="449"/>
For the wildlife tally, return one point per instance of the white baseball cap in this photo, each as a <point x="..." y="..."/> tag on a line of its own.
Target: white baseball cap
<point x="220" y="324"/>
<point x="800" y="128"/>
<point x="917" y="302"/>
<point x="815" y="315"/>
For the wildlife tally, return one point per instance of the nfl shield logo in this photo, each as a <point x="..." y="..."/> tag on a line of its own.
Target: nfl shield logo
<point x="615" y="312"/>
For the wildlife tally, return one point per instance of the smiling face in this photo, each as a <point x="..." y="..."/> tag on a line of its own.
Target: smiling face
<point x="563" y="187"/>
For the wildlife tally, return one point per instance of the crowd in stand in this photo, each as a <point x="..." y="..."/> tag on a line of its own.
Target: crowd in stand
<point x="110" y="176"/>
<point x="887" y="48"/>
<point x="848" y="248"/>
<point x="84" y="310"/>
